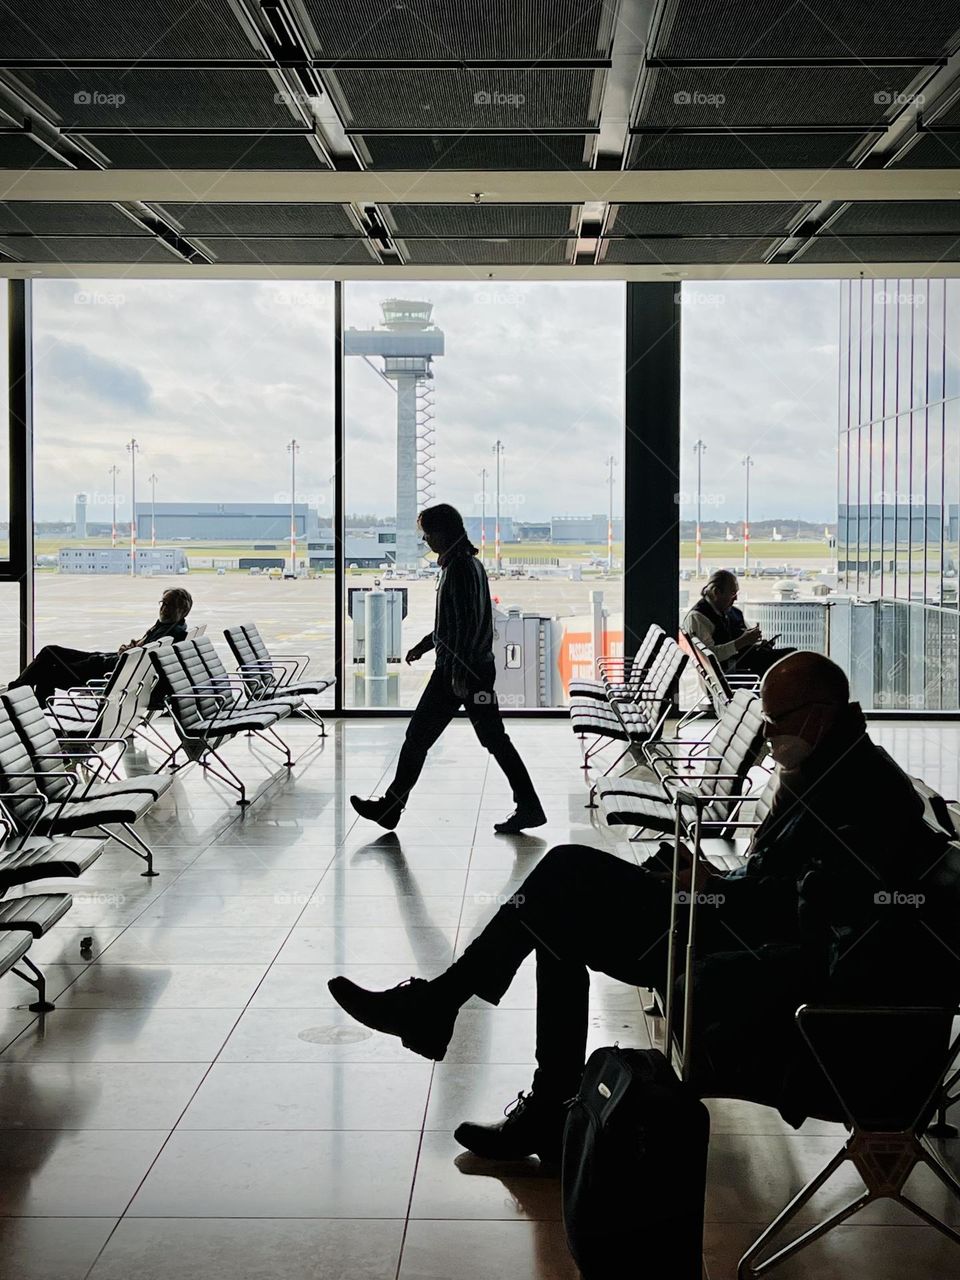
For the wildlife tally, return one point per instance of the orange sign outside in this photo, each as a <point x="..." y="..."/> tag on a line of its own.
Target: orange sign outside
<point x="576" y="654"/>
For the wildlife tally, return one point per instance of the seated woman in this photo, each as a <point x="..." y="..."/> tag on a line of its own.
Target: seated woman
<point x="56" y="667"/>
<point x="717" y="623"/>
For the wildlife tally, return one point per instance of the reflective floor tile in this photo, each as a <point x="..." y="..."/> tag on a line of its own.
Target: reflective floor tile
<point x="479" y="1250"/>
<point x="243" y="858"/>
<point x="426" y="949"/>
<point x="51" y="1248"/>
<point x="470" y="1091"/>
<point x="191" y="910"/>
<point x="125" y="1035"/>
<point x="264" y="1249"/>
<point x="309" y="1035"/>
<point x="301" y="1096"/>
<point x="158" y="986"/>
<point x="62" y="945"/>
<point x="304" y="986"/>
<point x="255" y="881"/>
<point x="751" y="1177"/>
<point x="370" y="877"/>
<point x="89" y="1173"/>
<point x="850" y="1250"/>
<point x="287" y="1174"/>
<point x="95" y="1095"/>
<point x="159" y="944"/>
<point x="452" y="1183"/>
<point x="396" y="910"/>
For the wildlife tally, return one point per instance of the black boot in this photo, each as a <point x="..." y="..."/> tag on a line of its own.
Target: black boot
<point x="385" y="811"/>
<point x="525" y="815"/>
<point x="413" y="1011"/>
<point x="533" y="1127"/>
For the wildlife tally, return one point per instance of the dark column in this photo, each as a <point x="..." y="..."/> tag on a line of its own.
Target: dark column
<point x="651" y="460"/>
<point x="336" y="529"/>
<point x="20" y="369"/>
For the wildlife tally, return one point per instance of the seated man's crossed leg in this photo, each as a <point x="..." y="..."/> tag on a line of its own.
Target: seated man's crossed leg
<point x="579" y="909"/>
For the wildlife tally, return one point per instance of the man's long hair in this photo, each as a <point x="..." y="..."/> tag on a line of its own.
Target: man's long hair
<point x="448" y="522"/>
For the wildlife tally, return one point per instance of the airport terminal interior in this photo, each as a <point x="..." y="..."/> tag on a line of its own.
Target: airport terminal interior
<point x="384" y="376"/>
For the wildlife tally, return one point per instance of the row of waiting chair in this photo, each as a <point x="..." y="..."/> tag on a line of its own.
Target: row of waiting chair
<point x="708" y="792"/>
<point x="59" y="765"/>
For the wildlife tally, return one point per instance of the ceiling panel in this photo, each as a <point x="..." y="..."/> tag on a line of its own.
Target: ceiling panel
<point x="476" y="151"/>
<point x="180" y="99"/>
<point x="22" y="153"/>
<point x="114" y="29"/>
<point x="658" y="219"/>
<point x="455" y="29"/>
<point x="132" y="249"/>
<point x="703" y="97"/>
<point x="814" y="29"/>
<point x="930" y="249"/>
<point x="422" y="100"/>
<point x="261" y="219"/>
<point x="456" y="220"/>
<point x="488" y="252"/>
<point x="653" y="251"/>
<point x="65" y="218"/>
<point x="931" y="151"/>
<point x="209" y="152"/>
<point x="899" y="217"/>
<point x="254" y="249"/>
<point x="753" y="151"/>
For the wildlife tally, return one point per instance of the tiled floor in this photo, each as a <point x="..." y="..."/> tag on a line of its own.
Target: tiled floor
<point x="197" y="1105"/>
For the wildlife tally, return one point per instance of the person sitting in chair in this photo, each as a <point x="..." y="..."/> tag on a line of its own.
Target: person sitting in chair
<point x="715" y="621"/>
<point x="807" y="916"/>
<point x="57" y="667"/>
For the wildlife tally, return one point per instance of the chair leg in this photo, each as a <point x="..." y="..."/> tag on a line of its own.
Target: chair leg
<point x="144" y="853"/>
<point x="228" y="776"/>
<point x="311" y="713"/>
<point x="39" y="983"/>
<point x="746" y="1269"/>
<point x="273" y="739"/>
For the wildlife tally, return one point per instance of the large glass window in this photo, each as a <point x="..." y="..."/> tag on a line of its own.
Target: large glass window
<point x="505" y="400"/>
<point x="4" y="418"/>
<point x="165" y="419"/>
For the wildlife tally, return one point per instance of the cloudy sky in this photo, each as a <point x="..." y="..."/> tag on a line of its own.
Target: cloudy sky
<point x="213" y="379"/>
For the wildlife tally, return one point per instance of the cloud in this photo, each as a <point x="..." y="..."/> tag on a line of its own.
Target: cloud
<point x="215" y="377"/>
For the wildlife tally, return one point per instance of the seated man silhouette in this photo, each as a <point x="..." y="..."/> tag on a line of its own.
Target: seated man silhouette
<point x="57" y="667"/>
<point x="808" y="916"/>
<point x="716" y="622"/>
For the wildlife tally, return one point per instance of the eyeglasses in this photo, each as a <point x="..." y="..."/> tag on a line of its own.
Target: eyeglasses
<point x="772" y="721"/>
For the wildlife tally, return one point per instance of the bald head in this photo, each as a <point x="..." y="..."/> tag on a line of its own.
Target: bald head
<point x="801" y="678"/>
<point x="802" y="694"/>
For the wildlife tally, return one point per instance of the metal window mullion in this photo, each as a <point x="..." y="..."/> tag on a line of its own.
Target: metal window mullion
<point x="20" y="445"/>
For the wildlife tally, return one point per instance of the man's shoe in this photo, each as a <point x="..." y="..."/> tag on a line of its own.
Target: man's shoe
<point x="522" y="817"/>
<point x="384" y="811"/>
<point x="410" y="1011"/>
<point x="531" y="1128"/>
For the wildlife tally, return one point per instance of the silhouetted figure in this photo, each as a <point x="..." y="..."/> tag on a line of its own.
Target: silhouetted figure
<point x="57" y="667"/>
<point x="811" y="916"/>
<point x="716" y="622"/>
<point x="464" y="676"/>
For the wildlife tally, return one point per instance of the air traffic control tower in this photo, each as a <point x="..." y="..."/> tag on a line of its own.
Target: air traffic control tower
<point x="407" y="343"/>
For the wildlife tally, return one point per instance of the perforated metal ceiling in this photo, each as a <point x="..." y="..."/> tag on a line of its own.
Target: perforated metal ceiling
<point x="486" y="85"/>
<point x="862" y="29"/>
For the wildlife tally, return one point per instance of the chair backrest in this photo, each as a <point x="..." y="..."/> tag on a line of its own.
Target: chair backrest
<point x="260" y="650"/>
<point x="15" y="759"/>
<point x="39" y="741"/>
<point x="645" y="655"/>
<point x="665" y="671"/>
<point x="737" y="743"/>
<point x="120" y="694"/>
<point x="709" y="671"/>
<point x="213" y="664"/>
<point x="181" y="671"/>
<point x="141" y="699"/>
<point x="193" y="632"/>
<point x="248" y="664"/>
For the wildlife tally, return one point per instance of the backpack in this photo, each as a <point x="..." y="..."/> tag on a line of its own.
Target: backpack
<point x="635" y="1151"/>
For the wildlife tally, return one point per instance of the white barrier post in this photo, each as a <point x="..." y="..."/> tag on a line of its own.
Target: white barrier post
<point x="375" y="637"/>
<point x="596" y="609"/>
